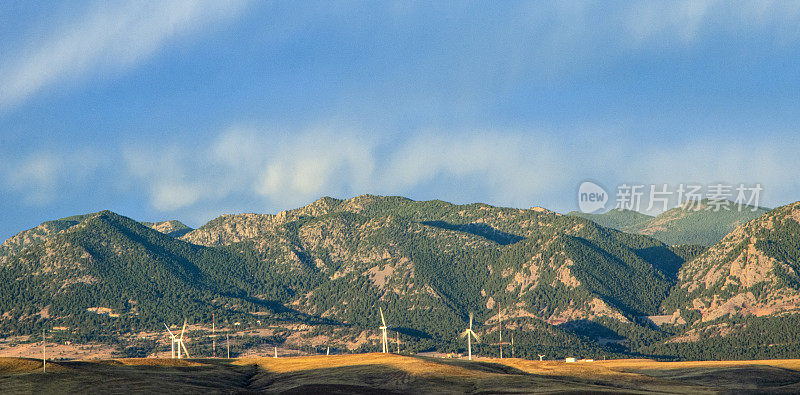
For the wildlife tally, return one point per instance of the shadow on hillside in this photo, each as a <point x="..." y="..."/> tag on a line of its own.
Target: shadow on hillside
<point x="663" y="259"/>
<point x="386" y="379"/>
<point x="593" y="330"/>
<point x="477" y="229"/>
<point x="291" y="314"/>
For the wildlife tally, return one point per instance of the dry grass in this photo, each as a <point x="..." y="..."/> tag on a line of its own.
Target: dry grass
<point x="380" y="373"/>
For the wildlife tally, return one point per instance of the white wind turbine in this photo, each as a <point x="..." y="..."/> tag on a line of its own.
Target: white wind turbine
<point x="384" y="340"/>
<point x="469" y="334"/>
<point x="178" y="341"/>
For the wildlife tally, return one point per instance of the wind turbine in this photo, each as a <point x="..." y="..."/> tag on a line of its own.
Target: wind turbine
<point x="540" y="357"/>
<point x="469" y="334"/>
<point x="178" y="341"/>
<point x="171" y="341"/>
<point x="384" y="340"/>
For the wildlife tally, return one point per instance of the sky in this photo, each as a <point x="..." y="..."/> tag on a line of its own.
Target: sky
<point x="192" y="109"/>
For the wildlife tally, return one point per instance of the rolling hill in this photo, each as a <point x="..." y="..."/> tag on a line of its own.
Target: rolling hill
<point x="685" y="225"/>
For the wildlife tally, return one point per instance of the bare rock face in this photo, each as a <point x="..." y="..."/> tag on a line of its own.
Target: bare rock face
<point x="752" y="271"/>
<point x="172" y="228"/>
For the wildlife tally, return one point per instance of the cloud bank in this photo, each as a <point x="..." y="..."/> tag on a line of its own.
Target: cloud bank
<point x="279" y="170"/>
<point x="251" y="169"/>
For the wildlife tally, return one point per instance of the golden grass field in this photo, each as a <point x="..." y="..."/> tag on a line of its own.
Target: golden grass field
<point x="388" y="373"/>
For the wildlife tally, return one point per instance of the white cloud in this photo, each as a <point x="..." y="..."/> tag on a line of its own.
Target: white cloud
<point x="511" y="166"/>
<point x="688" y="21"/>
<point x="110" y="37"/>
<point x="705" y="162"/>
<point x="265" y="170"/>
<point x="283" y="168"/>
<point x="41" y="177"/>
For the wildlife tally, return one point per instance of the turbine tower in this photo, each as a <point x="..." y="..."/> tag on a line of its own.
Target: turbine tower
<point x="384" y="340"/>
<point x="512" y="344"/>
<point x="213" y="335"/>
<point x="178" y="342"/>
<point x="469" y="334"/>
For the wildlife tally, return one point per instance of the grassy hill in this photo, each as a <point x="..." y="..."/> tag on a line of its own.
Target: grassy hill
<point x="685" y="225"/>
<point x="395" y="374"/>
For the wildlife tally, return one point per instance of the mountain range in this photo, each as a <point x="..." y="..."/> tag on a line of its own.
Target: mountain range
<point x="563" y="284"/>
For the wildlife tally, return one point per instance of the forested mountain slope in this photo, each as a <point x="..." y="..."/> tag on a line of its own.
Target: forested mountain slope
<point x="330" y="264"/>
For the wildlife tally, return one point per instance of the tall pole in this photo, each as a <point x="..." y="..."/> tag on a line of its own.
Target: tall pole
<point x="276" y="352"/>
<point x="500" y="323"/>
<point x="228" y="343"/>
<point x="469" y="344"/>
<point x="214" y="334"/>
<point x="398" y="342"/>
<point x="44" y="353"/>
<point x="512" y="344"/>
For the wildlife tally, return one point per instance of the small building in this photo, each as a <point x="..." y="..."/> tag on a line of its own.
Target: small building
<point x="569" y="359"/>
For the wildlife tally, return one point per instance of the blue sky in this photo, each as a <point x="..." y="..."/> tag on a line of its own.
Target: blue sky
<point x="192" y="109"/>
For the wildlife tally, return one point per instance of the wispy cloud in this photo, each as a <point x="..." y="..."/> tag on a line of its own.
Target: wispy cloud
<point x="520" y="168"/>
<point x="267" y="170"/>
<point x="109" y="37"/>
<point x="40" y="177"/>
<point x="687" y="21"/>
<point x="281" y="168"/>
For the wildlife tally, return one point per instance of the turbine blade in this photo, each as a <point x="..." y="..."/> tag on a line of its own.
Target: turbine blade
<point x="470" y="321"/>
<point x="475" y="335"/>
<point x="185" y="351"/>
<point x="383" y="321"/>
<point x="464" y="334"/>
<point x="170" y="332"/>
<point x="184" y="328"/>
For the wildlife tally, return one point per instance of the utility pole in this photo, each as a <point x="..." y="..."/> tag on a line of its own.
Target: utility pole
<point x="512" y="344"/>
<point x="500" y="323"/>
<point x="213" y="334"/>
<point x="44" y="353"/>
